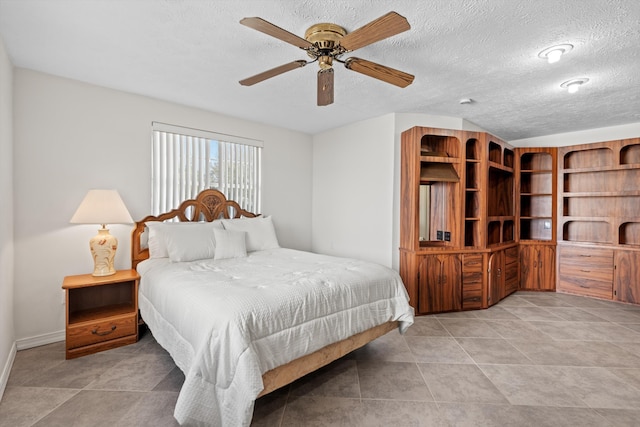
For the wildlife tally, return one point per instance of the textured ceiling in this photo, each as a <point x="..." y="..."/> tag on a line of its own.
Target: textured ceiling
<point x="194" y="52"/>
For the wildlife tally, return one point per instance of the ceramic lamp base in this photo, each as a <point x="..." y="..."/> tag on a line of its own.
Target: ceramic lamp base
<point x="103" y="249"/>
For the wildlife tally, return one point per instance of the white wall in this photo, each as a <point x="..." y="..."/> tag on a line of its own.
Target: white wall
<point x="353" y="190"/>
<point x="7" y="337"/>
<point x="71" y="137"/>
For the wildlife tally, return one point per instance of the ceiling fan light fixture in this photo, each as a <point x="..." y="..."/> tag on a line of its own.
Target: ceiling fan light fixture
<point x="554" y="53"/>
<point x="573" y="85"/>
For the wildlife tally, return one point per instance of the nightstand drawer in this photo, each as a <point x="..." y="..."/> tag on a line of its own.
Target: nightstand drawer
<point x="99" y="331"/>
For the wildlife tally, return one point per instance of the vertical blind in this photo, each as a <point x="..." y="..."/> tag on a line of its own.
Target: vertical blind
<point x="184" y="163"/>
<point x="239" y="177"/>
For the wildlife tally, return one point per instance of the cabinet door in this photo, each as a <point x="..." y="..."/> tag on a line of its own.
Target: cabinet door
<point x="546" y="275"/>
<point x="537" y="267"/>
<point x="528" y="267"/>
<point x="440" y="286"/>
<point x="510" y="271"/>
<point x="496" y="277"/>
<point x="626" y="286"/>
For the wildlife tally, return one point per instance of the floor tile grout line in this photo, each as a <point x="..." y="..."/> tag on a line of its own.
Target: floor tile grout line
<point x="58" y="406"/>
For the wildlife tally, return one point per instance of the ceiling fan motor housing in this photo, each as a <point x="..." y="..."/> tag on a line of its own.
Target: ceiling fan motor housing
<point x="326" y="39"/>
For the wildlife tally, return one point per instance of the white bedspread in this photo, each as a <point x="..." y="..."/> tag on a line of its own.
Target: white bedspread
<point x="227" y="322"/>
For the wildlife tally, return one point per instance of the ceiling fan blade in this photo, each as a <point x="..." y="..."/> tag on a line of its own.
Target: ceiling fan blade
<point x="249" y="81"/>
<point x="376" y="30"/>
<point x="380" y="72"/>
<point x="325" y="87"/>
<point x="275" y="31"/>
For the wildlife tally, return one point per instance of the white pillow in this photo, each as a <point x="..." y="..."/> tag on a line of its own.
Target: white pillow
<point x="260" y="232"/>
<point x="158" y="232"/>
<point x="230" y="244"/>
<point x="155" y="240"/>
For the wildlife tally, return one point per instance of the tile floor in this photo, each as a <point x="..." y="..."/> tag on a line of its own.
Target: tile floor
<point x="535" y="359"/>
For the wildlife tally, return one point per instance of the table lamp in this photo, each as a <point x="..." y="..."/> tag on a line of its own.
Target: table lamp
<point x="102" y="207"/>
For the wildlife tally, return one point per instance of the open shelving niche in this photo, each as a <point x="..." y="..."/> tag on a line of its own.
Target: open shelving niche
<point x="500" y="194"/>
<point x="601" y="195"/>
<point x="472" y="236"/>
<point x="536" y="196"/>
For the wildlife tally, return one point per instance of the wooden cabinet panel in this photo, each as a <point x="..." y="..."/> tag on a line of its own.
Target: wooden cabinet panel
<point x="440" y="284"/>
<point x="496" y="279"/>
<point x="503" y="274"/>
<point x="586" y="271"/>
<point x="537" y="267"/>
<point x="472" y="280"/>
<point x="626" y="286"/>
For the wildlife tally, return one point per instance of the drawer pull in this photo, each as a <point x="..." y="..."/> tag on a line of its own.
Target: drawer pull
<point x="585" y="256"/>
<point x="102" y="334"/>
<point x="585" y="271"/>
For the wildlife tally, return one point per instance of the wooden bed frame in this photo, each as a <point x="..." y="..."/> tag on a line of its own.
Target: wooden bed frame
<point x="210" y="205"/>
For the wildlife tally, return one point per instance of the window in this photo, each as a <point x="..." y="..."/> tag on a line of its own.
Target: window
<point x="186" y="161"/>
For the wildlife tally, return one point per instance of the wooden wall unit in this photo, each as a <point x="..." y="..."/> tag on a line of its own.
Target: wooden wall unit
<point x="480" y="219"/>
<point x="599" y="225"/>
<point x="457" y="207"/>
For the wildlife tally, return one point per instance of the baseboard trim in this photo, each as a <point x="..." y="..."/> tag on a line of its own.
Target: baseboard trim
<point x="39" y="340"/>
<point x="4" y="378"/>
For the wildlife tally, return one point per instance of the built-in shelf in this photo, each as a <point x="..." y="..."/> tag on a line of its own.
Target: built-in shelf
<point x="629" y="233"/>
<point x="589" y="158"/>
<point x="630" y="154"/>
<point x="536" y="207"/>
<point x="587" y="230"/>
<point x="472" y="193"/>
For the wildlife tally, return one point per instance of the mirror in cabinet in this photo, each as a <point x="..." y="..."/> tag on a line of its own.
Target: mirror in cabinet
<point x="437" y="213"/>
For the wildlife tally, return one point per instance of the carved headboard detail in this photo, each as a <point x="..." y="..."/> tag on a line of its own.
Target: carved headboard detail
<point x="208" y="206"/>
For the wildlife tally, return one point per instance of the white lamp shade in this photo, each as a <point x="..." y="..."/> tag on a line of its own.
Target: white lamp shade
<point x="102" y="207"/>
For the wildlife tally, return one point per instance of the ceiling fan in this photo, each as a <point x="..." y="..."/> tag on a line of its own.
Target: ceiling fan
<point x="326" y="43"/>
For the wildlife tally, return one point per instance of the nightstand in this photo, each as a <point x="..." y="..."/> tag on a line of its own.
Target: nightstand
<point x="102" y="312"/>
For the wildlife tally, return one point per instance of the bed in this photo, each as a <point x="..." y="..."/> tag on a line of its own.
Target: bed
<point x="241" y="316"/>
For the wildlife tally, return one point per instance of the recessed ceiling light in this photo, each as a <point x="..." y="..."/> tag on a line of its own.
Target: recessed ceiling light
<point x="573" y="85"/>
<point x="466" y="101"/>
<point x="552" y="54"/>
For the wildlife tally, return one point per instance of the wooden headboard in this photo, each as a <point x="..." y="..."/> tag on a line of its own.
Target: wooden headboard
<point x="209" y="205"/>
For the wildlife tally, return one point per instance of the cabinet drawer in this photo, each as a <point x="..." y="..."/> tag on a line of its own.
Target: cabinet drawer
<point x="471" y="299"/>
<point x="472" y="270"/>
<point x="100" y="331"/>
<point x="586" y="271"/>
